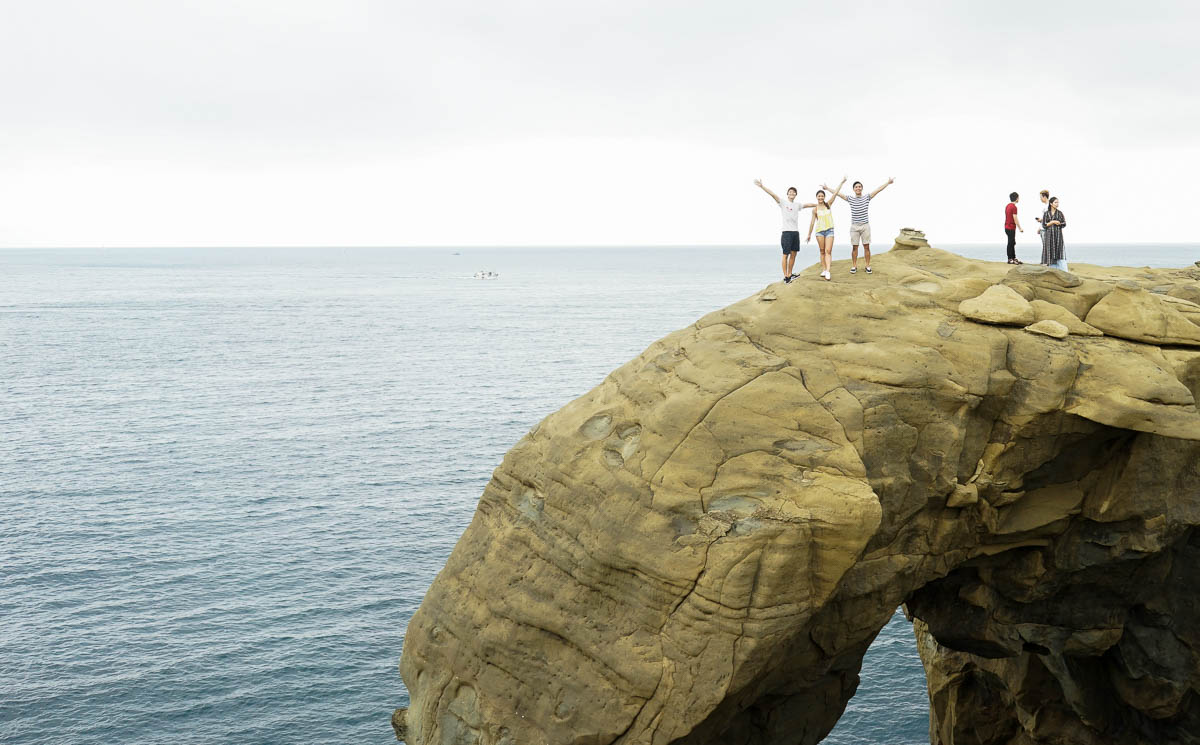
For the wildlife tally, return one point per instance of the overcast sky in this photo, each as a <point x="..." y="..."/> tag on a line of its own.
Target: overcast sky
<point x="356" y="122"/>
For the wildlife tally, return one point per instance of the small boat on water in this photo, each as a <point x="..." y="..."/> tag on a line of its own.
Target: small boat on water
<point x="486" y="275"/>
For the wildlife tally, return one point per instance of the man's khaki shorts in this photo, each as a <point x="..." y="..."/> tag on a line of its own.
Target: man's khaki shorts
<point x="860" y="234"/>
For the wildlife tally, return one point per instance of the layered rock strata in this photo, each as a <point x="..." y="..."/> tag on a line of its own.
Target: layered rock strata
<point x="701" y="548"/>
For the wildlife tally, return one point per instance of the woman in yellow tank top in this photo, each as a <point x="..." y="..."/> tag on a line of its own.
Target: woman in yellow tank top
<point x="822" y="219"/>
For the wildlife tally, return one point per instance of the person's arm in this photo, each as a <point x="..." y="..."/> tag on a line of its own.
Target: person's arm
<point x="881" y="188"/>
<point x="1062" y="220"/>
<point x="811" y="222"/>
<point x="758" y="182"/>
<point x="835" y="195"/>
<point x="1017" y="222"/>
<point x="838" y="192"/>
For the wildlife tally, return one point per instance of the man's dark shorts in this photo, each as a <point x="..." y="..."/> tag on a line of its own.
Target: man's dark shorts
<point x="790" y="240"/>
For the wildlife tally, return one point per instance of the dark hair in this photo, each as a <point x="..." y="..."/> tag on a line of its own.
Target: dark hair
<point x="792" y="188"/>
<point x="856" y="183"/>
<point x="1013" y="197"/>
<point x="1051" y="200"/>
<point x="820" y="192"/>
<point x="1044" y="193"/>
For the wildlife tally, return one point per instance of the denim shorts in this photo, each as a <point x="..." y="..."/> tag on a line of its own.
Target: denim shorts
<point x="825" y="232"/>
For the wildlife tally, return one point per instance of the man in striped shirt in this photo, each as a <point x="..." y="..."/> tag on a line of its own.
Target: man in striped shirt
<point x="860" y="227"/>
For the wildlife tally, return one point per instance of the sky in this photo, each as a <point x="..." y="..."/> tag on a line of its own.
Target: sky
<point x="531" y="122"/>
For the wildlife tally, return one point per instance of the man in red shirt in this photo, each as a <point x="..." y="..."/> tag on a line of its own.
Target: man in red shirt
<point x="1011" y="226"/>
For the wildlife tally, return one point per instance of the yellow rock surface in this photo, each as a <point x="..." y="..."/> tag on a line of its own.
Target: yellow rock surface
<point x="702" y="547"/>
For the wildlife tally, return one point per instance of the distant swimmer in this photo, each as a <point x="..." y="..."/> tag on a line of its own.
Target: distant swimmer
<point x="860" y="226"/>
<point x="790" y="240"/>
<point x="822" y="220"/>
<point x="1011" y="226"/>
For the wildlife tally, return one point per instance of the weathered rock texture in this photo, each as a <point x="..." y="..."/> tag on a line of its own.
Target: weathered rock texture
<point x="701" y="549"/>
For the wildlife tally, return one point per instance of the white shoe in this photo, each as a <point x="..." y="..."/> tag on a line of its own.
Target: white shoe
<point x="826" y="274"/>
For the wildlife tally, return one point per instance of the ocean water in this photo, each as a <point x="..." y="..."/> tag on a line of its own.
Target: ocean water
<point x="227" y="477"/>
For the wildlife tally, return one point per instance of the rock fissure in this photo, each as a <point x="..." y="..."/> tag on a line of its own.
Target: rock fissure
<point x="699" y="422"/>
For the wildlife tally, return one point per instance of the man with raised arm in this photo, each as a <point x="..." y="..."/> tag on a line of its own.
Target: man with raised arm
<point x="860" y="226"/>
<point x="790" y="240"/>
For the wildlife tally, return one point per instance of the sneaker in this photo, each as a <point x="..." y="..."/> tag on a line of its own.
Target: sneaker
<point x="868" y="270"/>
<point x="854" y="270"/>
<point x="788" y="279"/>
<point x="794" y="276"/>
<point x="826" y="274"/>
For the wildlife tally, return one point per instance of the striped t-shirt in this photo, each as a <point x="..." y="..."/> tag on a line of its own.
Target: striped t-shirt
<point x="858" y="209"/>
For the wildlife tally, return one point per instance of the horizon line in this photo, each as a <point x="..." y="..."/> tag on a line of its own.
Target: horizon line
<point x="515" y="245"/>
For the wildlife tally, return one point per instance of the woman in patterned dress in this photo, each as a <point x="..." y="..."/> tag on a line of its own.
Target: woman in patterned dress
<point x="1053" y="221"/>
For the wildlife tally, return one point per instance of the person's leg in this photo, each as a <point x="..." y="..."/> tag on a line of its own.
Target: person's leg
<point x="1012" y="244"/>
<point x="865" y="234"/>
<point x="855" y="239"/>
<point x="784" y="264"/>
<point x="791" y="263"/>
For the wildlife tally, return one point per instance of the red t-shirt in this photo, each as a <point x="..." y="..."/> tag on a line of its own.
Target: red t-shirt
<point x="1009" y="212"/>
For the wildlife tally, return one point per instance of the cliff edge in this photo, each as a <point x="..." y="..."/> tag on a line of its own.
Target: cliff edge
<point x="702" y="548"/>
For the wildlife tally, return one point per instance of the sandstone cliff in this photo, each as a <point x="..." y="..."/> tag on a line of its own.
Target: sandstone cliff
<point x="702" y="548"/>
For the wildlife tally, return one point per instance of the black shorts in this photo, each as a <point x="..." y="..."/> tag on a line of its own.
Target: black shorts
<point x="790" y="240"/>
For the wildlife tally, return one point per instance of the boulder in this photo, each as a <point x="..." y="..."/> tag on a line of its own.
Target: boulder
<point x="998" y="304"/>
<point x="1049" y="328"/>
<point x="1071" y="291"/>
<point x="1130" y="312"/>
<point x="1188" y="308"/>
<point x="1045" y="311"/>
<point x="702" y="547"/>
<point x="1191" y="293"/>
<point x="909" y="239"/>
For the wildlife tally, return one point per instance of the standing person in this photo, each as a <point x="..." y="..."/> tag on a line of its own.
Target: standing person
<point x="790" y="239"/>
<point x="860" y="226"/>
<point x="1053" y="223"/>
<point x="1045" y="197"/>
<point x="1011" y="226"/>
<point x="822" y="218"/>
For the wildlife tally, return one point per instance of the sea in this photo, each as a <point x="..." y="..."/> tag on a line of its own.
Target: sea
<point x="228" y="476"/>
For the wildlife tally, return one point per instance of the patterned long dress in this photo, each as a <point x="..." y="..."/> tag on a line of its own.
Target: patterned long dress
<point x="1052" y="240"/>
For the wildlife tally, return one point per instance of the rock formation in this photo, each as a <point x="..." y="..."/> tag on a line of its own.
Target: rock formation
<point x="701" y="549"/>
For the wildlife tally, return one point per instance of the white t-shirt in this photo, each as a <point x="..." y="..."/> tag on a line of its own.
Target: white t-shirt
<point x="791" y="214"/>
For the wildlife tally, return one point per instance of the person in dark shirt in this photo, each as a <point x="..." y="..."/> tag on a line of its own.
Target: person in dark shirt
<point x="1011" y="226"/>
